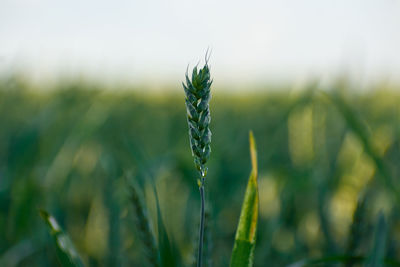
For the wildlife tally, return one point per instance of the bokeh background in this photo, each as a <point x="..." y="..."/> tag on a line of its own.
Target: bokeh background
<point x="91" y="101"/>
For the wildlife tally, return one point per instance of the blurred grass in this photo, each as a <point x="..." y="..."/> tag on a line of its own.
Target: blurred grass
<point x="68" y="150"/>
<point x="67" y="254"/>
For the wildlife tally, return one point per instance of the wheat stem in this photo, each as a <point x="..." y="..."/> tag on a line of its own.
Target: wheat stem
<point x="201" y="230"/>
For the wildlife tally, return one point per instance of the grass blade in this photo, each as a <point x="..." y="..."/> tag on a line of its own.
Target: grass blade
<point x="169" y="256"/>
<point x="357" y="230"/>
<point x="245" y="240"/>
<point x="360" y="130"/>
<point x="144" y="228"/>
<point x="376" y="258"/>
<point x="66" y="251"/>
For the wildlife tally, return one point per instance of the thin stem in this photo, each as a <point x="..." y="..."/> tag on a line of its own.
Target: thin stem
<point x="201" y="230"/>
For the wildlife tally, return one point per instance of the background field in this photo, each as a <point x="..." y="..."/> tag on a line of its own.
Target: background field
<point x="73" y="150"/>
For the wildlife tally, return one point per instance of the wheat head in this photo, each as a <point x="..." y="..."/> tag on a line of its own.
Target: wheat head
<point x="198" y="95"/>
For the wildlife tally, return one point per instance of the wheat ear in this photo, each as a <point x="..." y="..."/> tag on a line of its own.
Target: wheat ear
<point x="198" y="96"/>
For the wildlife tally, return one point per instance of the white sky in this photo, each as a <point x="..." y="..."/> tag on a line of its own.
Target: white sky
<point x="251" y="41"/>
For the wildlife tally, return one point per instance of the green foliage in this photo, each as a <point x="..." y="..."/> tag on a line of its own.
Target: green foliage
<point x="363" y="134"/>
<point x="169" y="255"/>
<point x="245" y="240"/>
<point x="340" y="259"/>
<point x="144" y="229"/>
<point x="165" y="253"/>
<point x="377" y="254"/>
<point x="67" y="254"/>
<point x="357" y="230"/>
<point x="61" y="148"/>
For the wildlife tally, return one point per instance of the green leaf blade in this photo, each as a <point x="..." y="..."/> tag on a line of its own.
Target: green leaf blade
<point x="377" y="254"/>
<point x="245" y="240"/>
<point x="66" y="252"/>
<point x="168" y="252"/>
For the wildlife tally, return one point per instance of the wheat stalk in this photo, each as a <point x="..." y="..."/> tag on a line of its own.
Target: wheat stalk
<point x="207" y="244"/>
<point x="197" y="100"/>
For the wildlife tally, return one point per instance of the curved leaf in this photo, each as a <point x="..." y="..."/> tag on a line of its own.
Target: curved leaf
<point x="245" y="240"/>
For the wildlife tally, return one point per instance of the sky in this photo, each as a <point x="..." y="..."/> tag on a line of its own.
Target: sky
<point x="155" y="40"/>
